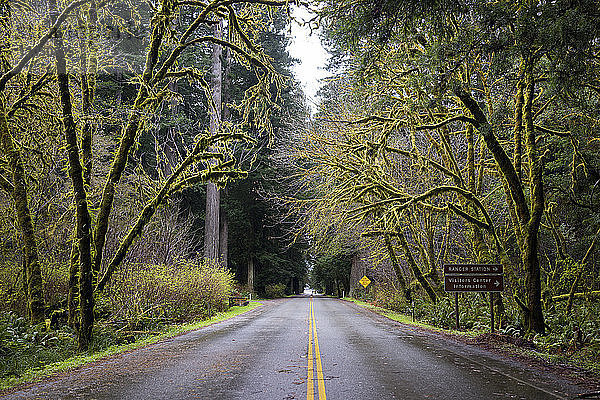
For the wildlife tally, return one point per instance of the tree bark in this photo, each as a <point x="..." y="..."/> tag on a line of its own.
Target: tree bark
<point x="225" y="116"/>
<point x="211" y="223"/>
<point x="83" y="238"/>
<point x="72" y="295"/>
<point x="223" y="236"/>
<point x="250" y="274"/>
<point x="518" y="128"/>
<point x="88" y="61"/>
<point x="33" y="275"/>
<point x="531" y="244"/>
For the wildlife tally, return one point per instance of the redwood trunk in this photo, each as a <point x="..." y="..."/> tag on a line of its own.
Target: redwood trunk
<point x="211" y="223"/>
<point x="251" y="274"/>
<point x="530" y="249"/>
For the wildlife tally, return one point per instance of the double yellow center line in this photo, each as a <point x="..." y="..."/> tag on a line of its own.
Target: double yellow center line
<point x="312" y="330"/>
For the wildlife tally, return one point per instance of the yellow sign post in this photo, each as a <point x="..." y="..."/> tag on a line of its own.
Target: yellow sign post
<point x="365" y="281"/>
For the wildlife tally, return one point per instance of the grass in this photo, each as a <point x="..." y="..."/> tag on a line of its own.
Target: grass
<point x="35" y="375"/>
<point x="408" y="320"/>
<point x="586" y="358"/>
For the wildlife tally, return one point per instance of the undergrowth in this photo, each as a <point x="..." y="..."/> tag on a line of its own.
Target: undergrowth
<point x="571" y="338"/>
<point x="140" y="302"/>
<point x="22" y="361"/>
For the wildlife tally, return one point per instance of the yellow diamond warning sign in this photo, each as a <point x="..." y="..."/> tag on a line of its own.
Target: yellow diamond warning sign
<point x="365" y="281"/>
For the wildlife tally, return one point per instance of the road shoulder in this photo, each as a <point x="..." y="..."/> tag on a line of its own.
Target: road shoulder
<point x="56" y="370"/>
<point x="498" y="344"/>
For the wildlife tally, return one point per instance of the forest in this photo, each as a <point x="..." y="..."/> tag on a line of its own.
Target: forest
<point x="158" y="157"/>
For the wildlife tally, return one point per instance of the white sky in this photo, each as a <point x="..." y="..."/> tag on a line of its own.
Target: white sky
<point x="312" y="57"/>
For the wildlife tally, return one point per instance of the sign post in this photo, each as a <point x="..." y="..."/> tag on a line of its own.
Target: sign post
<point x="492" y="312"/>
<point x="474" y="278"/>
<point x="456" y="321"/>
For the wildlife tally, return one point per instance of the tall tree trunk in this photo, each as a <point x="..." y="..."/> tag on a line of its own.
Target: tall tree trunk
<point x="226" y="116"/>
<point x="223" y="235"/>
<point x="358" y="270"/>
<point x="88" y="61"/>
<point x="86" y="296"/>
<point x="528" y="216"/>
<point x="211" y="223"/>
<point x="532" y="227"/>
<point x="16" y="185"/>
<point x="250" y="274"/>
<point x="518" y="128"/>
<point x="73" y="294"/>
<point x="33" y="274"/>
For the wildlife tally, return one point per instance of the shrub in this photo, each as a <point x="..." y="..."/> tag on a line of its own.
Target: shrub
<point x="24" y="346"/>
<point x="390" y="298"/>
<point x="12" y="297"/>
<point x="473" y="311"/>
<point x="141" y="294"/>
<point x="275" y="290"/>
<point x="570" y="332"/>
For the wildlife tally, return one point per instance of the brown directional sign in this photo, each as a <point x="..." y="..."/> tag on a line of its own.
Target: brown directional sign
<point x="459" y="269"/>
<point x="473" y="283"/>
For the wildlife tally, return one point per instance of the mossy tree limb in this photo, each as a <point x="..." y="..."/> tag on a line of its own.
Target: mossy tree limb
<point x="536" y="190"/>
<point x="75" y="170"/>
<point x="397" y="268"/>
<point x="528" y="219"/>
<point x="32" y="271"/>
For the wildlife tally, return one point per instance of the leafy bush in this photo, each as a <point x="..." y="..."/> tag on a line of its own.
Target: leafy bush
<point x="574" y="331"/>
<point x="388" y="297"/>
<point x="56" y="283"/>
<point x="473" y="311"/>
<point x="11" y="290"/>
<point x="275" y="290"/>
<point x="141" y="294"/>
<point x="24" y="346"/>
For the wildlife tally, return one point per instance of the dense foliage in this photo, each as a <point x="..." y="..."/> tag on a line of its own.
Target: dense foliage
<point x="105" y="142"/>
<point x="461" y="132"/>
<point x="139" y="295"/>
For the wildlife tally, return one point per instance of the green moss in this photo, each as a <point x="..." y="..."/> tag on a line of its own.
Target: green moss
<point x="86" y="358"/>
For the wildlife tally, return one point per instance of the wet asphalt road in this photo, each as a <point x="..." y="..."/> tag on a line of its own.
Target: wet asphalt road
<point x="264" y="354"/>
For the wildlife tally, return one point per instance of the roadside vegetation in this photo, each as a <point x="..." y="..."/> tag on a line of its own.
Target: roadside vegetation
<point x="461" y="133"/>
<point x="135" y="163"/>
<point x="157" y="158"/>
<point x="570" y="341"/>
<point x="34" y="352"/>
